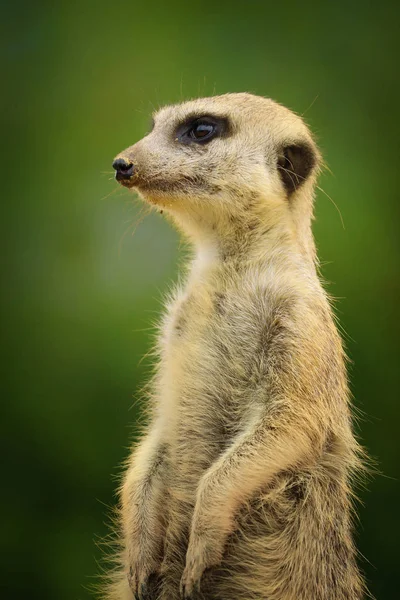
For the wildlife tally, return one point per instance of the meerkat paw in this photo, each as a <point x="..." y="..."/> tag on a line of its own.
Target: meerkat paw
<point x="202" y="554"/>
<point x="143" y="582"/>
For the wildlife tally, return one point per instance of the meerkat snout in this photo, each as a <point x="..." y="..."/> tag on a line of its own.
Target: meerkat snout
<point x="123" y="170"/>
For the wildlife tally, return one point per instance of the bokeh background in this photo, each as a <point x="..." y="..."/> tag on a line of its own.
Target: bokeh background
<point x="84" y="279"/>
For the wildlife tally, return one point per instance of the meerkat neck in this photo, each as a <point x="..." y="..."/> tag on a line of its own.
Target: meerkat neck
<point x="265" y="247"/>
<point x="252" y="236"/>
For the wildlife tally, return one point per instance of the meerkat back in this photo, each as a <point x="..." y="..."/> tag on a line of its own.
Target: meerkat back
<point x="240" y="487"/>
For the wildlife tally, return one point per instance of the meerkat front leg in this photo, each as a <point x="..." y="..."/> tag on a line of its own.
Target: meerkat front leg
<point x="273" y="443"/>
<point x="143" y="511"/>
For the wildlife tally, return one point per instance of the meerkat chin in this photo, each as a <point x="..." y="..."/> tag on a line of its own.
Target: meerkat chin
<point x="240" y="486"/>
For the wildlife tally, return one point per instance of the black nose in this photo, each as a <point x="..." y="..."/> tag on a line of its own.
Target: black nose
<point x="124" y="169"/>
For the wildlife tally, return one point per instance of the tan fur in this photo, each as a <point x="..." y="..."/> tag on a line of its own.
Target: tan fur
<point x="241" y="485"/>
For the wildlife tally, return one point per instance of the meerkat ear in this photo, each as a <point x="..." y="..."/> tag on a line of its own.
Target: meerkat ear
<point x="295" y="163"/>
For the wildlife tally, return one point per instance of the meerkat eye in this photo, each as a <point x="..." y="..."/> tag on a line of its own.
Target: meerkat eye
<point x="201" y="130"/>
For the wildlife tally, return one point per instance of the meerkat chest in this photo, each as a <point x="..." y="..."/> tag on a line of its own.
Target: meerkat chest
<point x="209" y="337"/>
<point x="190" y="323"/>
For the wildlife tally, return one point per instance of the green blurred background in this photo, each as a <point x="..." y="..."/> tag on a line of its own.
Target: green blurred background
<point x="82" y="291"/>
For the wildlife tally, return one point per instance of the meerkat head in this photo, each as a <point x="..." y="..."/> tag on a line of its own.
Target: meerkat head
<point x="224" y="159"/>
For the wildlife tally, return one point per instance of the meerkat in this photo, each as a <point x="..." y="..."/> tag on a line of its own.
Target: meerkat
<point x="241" y="485"/>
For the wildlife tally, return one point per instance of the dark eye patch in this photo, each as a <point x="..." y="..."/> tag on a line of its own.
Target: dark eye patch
<point x="202" y="129"/>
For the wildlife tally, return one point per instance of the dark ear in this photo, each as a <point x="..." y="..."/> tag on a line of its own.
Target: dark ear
<point x="295" y="163"/>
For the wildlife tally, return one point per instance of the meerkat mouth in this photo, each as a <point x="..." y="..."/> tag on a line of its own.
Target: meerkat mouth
<point x="184" y="184"/>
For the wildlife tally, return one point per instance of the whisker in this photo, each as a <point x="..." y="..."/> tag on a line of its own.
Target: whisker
<point x="134" y="225"/>
<point x="327" y="168"/>
<point x="290" y="173"/>
<point x="311" y="105"/>
<point x="333" y="202"/>
<point x="321" y="190"/>
<point x="116" y="189"/>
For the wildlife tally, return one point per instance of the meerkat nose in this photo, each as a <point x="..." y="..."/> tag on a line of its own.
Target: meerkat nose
<point x="123" y="168"/>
